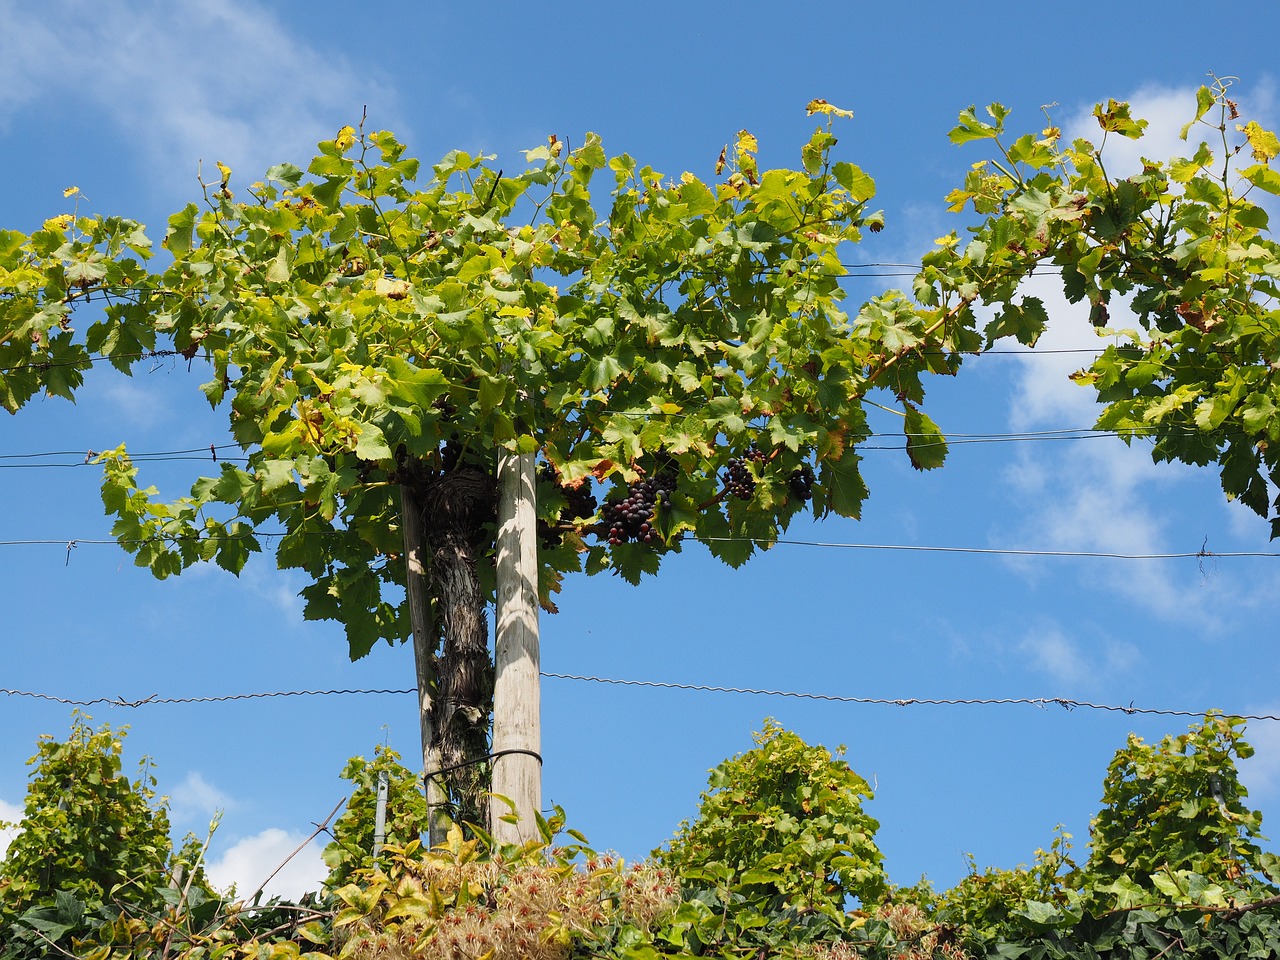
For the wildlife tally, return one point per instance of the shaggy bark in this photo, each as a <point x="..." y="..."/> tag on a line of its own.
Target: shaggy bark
<point x="457" y="511"/>
<point x="426" y="655"/>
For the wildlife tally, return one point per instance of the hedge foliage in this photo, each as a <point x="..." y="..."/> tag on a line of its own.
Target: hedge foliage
<point x="780" y="861"/>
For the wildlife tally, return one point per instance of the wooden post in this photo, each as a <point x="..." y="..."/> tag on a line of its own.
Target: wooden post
<point x="424" y="657"/>
<point x="517" y="704"/>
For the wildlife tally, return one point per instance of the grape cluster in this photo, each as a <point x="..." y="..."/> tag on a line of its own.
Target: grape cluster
<point x="801" y="483"/>
<point x="631" y="518"/>
<point x="580" y="503"/>
<point x="738" y="480"/>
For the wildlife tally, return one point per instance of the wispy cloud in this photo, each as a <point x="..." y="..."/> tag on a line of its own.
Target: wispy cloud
<point x="197" y="799"/>
<point x="128" y="403"/>
<point x="277" y="588"/>
<point x="249" y="861"/>
<point x="221" y="80"/>
<point x="1073" y="660"/>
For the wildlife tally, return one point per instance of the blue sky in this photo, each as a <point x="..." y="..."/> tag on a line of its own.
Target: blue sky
<point x="125" y="100"/>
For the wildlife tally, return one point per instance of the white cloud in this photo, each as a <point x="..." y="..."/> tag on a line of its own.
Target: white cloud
<point x="249" y="861"/>
<point x="221" y="80"/>
<point x="277" y="589"/>
<point x="1046" y="396"/>
<point x="1066" y="660"/>
<point x="10" y="814"/>
<point x="1167" y="110"/>
<point x="1244" y="523"/>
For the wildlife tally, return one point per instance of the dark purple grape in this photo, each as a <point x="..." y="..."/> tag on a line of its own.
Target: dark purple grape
<point x="801" y="483"/>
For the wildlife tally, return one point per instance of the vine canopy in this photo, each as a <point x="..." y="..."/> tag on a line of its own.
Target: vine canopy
<point x="361" y="316"/>
<point x="368" y="321"/>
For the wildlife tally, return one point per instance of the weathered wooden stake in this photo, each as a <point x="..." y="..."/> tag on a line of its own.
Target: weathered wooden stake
<point x="380" y="814"/>
<point x="517" y="703"/>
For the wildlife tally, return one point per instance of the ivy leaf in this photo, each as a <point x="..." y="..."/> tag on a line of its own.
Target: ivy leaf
<point x="415" y="386"/>
<point x="1263" y="177"/>
<point x="274" y="474"/>
<point x="1169" y="886"/>
<point x="278" y="268"/>
<point x="821" y="106"/>
<point x="859" y="185"/>
<point x="602" y="372"/>
<point x="1041" y="915"/>
<point x="234" y="544"/>
<point x="1205" y="99"/>
<point x="845" y="488"/>
<point x="86" y="271"/>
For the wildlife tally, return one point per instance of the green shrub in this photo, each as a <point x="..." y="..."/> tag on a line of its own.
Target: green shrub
<point x="91" y="842"/>
<point x="1173" y="826"/>
<point x="353" y="833"/>
<point x="786" y="821"/>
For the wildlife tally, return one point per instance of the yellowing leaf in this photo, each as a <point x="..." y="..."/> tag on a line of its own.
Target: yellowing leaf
<point x="70" y="191"/>
<point x="345" y="138"/>
<point x="746" y="143"/>
<point x="278" y="268"/>
<point x="59" y="223"/>
<point x="391" y="288"/>
<point x="1264" y="143"/>
<point x="225" y="171"/>
<point x="821" y="106"/>
<point x="1115" y="118"/>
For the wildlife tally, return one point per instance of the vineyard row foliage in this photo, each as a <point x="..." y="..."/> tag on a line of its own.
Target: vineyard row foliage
<point x="781" y="861"/>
